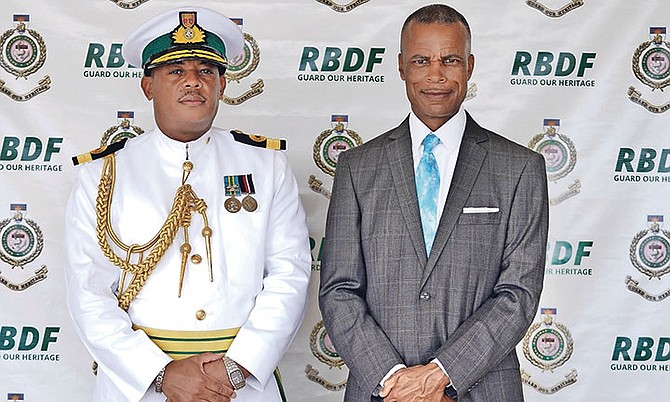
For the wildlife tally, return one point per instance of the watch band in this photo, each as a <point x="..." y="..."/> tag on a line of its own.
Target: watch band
<point x="235" y="374"/>
<point x="451" y="392"/>
<point x="158" y="382"/>
<point x="377" y="390"/>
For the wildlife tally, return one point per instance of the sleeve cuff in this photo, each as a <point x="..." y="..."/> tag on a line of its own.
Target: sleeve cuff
<point x="439" y="364"/>
<point x="393" y="370"/>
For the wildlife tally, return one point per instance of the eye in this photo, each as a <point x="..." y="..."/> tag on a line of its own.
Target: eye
<point x="420" y="61"/>
<point x="206" y="71"/>
<point x="175" y="70"/>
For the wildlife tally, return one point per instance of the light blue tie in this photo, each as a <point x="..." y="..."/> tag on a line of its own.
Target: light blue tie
<point x="427" y="189"/>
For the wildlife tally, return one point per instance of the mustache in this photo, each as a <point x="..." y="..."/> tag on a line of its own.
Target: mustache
<point x="192" y="94"/>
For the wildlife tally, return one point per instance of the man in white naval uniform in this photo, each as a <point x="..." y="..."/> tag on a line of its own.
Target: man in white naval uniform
<point x="188" y="241"/>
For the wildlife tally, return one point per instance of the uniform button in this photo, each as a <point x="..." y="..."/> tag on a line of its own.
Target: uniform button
<point x="424" y="296"/>
<point x="200" y="315"/>
<point x="196" y="259"/>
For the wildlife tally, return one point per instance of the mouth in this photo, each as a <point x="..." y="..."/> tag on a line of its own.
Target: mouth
<point x="192" y="99"/>
<point x="436" y="92"/>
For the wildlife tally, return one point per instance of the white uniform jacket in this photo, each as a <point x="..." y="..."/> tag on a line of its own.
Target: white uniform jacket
<point x="261" y="262"/>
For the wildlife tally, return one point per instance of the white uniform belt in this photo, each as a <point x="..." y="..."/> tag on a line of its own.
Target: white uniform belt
<point x="183" y="344"/>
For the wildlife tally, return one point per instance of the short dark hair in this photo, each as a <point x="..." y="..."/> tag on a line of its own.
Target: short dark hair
<point x="438" y="14"/>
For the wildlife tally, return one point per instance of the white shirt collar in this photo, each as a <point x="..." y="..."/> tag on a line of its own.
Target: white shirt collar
<point x="450" y="133"/>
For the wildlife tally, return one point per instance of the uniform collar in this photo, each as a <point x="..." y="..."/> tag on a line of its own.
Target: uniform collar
<point x="182" y="150"/>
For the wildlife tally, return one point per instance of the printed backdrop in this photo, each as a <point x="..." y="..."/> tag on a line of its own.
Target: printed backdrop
<point x="581" y="81"/>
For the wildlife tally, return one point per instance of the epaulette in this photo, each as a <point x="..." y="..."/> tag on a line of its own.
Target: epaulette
<point x="98" y="153"/>
<point x="259" y="141"/>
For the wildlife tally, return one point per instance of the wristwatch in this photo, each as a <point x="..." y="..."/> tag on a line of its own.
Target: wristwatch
<point x="235" y="375"/>
<point x="158" y="382"/>
<point x="450" y="391"/>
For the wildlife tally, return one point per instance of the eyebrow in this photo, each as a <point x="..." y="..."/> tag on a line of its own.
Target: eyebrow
<point x="446" y="56"/>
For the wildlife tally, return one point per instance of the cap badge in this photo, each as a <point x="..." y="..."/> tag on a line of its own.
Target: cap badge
<point x="188" y="31"/>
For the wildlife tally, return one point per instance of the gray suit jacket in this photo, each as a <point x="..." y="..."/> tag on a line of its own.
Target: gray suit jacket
<point x="384" y="302"/>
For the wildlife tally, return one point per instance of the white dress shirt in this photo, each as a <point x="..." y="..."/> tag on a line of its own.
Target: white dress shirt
<point x="446" y="152"/>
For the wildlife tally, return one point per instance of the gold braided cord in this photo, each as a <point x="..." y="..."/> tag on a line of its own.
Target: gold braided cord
<point x="184" y="203"/>
<point x="201" y="207"/>
<point x="161" y="240"/>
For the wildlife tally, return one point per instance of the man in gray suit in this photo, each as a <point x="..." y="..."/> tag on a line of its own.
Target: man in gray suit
<point x="435" y="248"/>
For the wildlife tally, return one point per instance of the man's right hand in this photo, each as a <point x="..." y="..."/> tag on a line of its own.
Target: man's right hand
<point x="416" y="384"/>
<point x="186" y="380"/>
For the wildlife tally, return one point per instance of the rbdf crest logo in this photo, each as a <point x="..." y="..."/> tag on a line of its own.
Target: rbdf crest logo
<point x="560" y="156"/>
<point x="324" y="351"/>
<point x="328" y="147"/>
<point x="650" y="254"/>
<point x="243" y="66"/>
<point x="332" y="142"/>
<point x="124" y="129"/>
<point x="22" y="53"/>
<point x="22" y="242"/>
<point x="548" y="345"/>
<point x="651" y="66"/>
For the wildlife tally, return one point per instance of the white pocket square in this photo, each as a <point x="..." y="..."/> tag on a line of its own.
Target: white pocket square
<point x="480" y="210"/>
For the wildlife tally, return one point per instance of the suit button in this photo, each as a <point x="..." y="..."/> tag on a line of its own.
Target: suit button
<point x="424" y="296"/>
<point x="200" y="315"/>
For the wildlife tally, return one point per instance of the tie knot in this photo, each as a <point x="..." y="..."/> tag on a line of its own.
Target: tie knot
<point x="430" y="142"/>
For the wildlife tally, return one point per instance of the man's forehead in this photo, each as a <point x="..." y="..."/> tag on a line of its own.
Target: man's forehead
<point x="409" y="35"/>
<point x="192" y="61"/>
<point x="197" y="63"/>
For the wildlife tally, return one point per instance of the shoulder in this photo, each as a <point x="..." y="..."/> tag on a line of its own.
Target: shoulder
<point x="118" y="147"/>
<point x="496" y="143"/>
<point x="265" y="153"/>
<point x="258" y="141"/>
<point x="99" y="152"/>
<point x="373" y="147"/>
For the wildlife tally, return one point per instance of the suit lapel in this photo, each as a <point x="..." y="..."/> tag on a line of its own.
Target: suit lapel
<point x="399" y="156"/>
<point x="470" y="159"/>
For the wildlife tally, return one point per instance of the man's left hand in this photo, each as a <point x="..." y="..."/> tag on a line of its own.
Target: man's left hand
<point x="418" y="383"/>
<point x="188" y="380"/>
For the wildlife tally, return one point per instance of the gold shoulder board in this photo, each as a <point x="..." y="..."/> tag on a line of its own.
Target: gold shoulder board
<point x="98" y="153"/>
<point x="259" y="141"/>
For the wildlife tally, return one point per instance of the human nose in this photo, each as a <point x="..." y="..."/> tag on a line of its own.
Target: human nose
<point x="191" y="79"/>
<point x="436" y="72"/>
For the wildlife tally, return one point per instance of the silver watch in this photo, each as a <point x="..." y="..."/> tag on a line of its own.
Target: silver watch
<point x="235" y="374"/>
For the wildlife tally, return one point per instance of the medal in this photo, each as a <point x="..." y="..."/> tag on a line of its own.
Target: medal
<point x="232" y="204"/>
<point x="237" y="185"/>
<point x="249" y="203"/>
